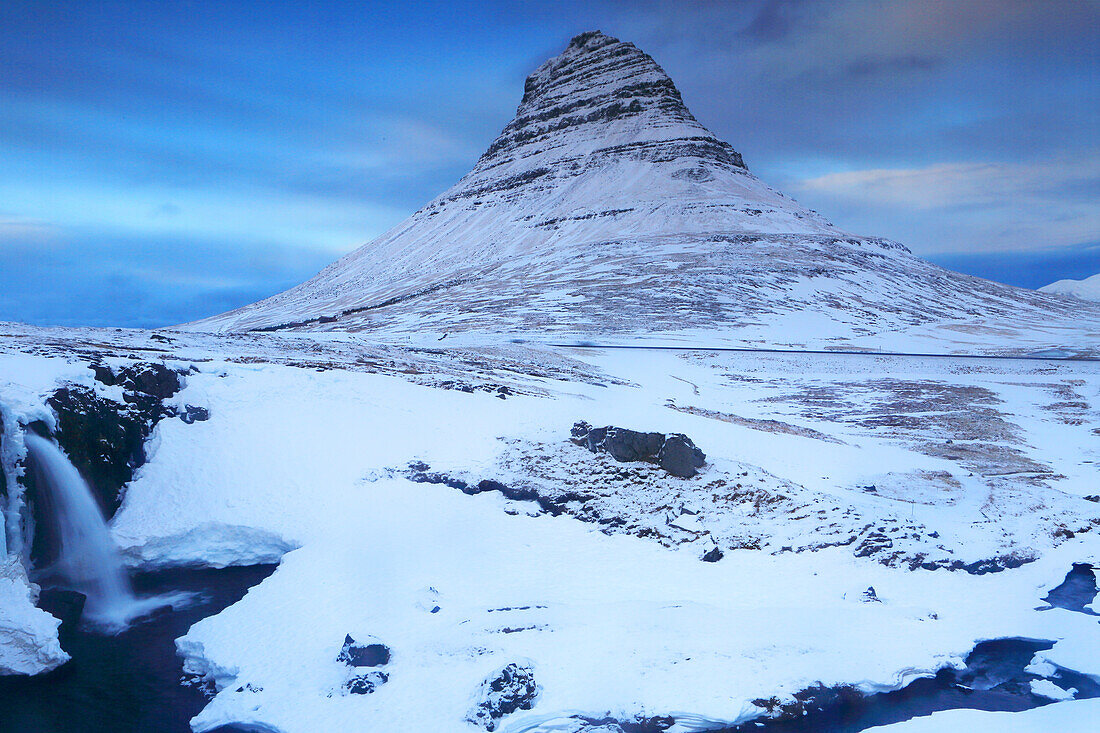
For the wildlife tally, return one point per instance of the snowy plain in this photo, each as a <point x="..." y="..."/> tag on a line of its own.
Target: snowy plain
<point x="304" y="461"/>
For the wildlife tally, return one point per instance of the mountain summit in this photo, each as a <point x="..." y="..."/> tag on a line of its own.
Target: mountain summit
<point x="605" y="210"/>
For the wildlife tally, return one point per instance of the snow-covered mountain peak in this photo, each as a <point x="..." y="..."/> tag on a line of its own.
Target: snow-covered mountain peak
<point x="603" y="210"/>
<point x="602" y="131"/>
<point x="603" y="95"/>
<point x="1085" y="289"/>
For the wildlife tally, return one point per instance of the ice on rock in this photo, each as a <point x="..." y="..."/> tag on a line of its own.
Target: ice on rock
<point x="28" y="635"/>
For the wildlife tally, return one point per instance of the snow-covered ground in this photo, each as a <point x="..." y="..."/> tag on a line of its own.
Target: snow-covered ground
<point x="826" y="475"/>
<point x="1080" y="716"/>
<point x="1086" y="289"/>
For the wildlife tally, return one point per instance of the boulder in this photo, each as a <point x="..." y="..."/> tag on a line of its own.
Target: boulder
<point x="155" y="380"/>
<point x="191" y="414"/>
<point x="630" y="445"/>
<point x="680" y="457"/>
<point x="364" y="684"/>
<point x="713" y="555"/>
<point x="504" y="692"/>
<point x="676" y="453"/>
<point x="355" y="654"/>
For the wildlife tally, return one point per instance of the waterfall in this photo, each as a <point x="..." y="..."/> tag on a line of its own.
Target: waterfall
<point x="88" y="560"/>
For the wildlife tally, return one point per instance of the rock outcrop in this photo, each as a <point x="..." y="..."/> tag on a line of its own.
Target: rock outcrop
<point x="105" y="439"/>
<point x="510" y="689"/>
<point x="359" y="654"/>
<point x="674" y="453"/>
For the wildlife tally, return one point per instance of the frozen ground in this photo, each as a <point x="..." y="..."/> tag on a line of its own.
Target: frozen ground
<point x="826" y="475"/>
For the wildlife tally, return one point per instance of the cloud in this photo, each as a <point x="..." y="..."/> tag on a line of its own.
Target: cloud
<point x="315" y="126"/>
<point x="19" y="230"/>
<point x="961" y="184"/>
<point x="996" y="204"/>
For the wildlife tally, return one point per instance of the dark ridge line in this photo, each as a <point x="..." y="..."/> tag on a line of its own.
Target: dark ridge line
<point x="745" y="349"/>
<point x="351" y="311"/>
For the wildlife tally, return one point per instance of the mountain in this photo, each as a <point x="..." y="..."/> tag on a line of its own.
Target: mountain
<point x="605" y="211"/>
<point x="1087" y="289"/>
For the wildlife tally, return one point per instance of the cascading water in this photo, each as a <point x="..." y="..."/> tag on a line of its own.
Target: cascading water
<point x="88" y="559"/>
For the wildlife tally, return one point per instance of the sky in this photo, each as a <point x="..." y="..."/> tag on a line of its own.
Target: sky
<point x="167" y="160"/>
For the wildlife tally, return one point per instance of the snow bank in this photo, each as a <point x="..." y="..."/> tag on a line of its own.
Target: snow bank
<point x="28" y="635"/>
<point x="1065" y="716"/>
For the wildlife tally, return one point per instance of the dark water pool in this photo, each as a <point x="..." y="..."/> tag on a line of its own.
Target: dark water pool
<point x="129" y="683"/>
<point x="1076" y="591"/>
<point x="994" y="680"/>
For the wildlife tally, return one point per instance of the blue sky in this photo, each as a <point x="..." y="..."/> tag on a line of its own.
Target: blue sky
<point x="163" y="161"/>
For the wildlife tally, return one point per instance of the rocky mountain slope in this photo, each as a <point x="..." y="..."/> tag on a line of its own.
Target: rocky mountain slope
<point x="605" y="210"/>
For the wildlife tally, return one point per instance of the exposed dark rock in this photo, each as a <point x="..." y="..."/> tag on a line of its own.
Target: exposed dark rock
<point x="873" y="543"/>
<point x="364" y="684"/>
<point x="579" y="432"/>
<point x="103" y="438"/>
<point x="640" y="724"/>
<point x="501" y="391"/>
<point x="680" y="457"/>
<point x="630" y="445"/>
<point x="155" y="380"/>
<point x="804" y="701"/>
<point x="512" y="688"/>
<point x="676" y="453"/>
<point x="354" y="654"/>
<point x="190" y="414"/>
<point x="65" y="605"/>
<point x="870" y="596"/>
<point x="350" y="311"/>
<point x="713" y="555"/>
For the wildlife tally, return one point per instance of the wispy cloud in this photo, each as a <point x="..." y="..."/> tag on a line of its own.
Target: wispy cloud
<point x="22" y="231"/>
<point x="996" y="204"/>
<point x="965" y="184"/>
